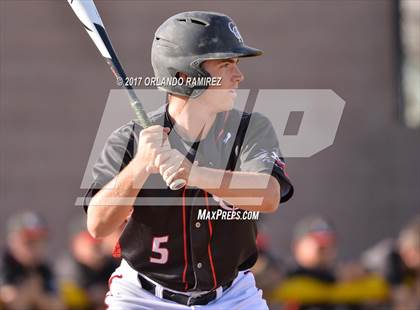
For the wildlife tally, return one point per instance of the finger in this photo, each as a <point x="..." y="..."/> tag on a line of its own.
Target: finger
<point x="172" y="161"/>
<point x="162" y="138"/>
<point x="165" y="148"/>
<point x="159" y="136"/>
<point x="164" y="167"/>
<point x="151" y="130"/>
<point x="168" y="172"/>
<point x="157" y="146"/>
<point x="155" y="128"/>
<point x="162" y="157"/>
<point x="165" y="142"/>
<point x="176" y="156"/>
<point x="151" y="169"/>
<point x="179" y="174"/>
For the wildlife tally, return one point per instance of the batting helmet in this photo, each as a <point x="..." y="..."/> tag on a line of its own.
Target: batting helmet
<point x="184" y="41"/>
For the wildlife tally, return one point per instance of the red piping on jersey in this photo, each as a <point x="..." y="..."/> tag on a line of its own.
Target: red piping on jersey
<point x="119" y="276"/>
<point x="208" y="247"/>
<point x="222" y="130"/>
<point x="117" y="250"/>
<point x="184" y="228"/>
<point x="219" y="135"/>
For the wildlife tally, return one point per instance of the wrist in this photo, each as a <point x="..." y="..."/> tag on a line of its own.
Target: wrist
<point x="195" y="176"/>
<point x="139" y="167"/>
<point x="206" y="178"/>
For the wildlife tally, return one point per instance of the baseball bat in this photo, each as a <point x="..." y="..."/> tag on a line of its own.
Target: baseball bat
<point x="88" y="15"/>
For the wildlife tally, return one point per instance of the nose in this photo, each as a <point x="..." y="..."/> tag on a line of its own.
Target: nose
<point x="237" y="74"/>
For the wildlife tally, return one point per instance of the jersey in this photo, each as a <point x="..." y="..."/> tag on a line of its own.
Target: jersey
<point x="164" y="238"/>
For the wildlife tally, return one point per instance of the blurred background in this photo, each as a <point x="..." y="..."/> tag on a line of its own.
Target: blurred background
<point x="54" y="86"/>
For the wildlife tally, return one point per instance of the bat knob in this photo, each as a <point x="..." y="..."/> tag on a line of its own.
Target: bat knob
<point x="177" y="184"/>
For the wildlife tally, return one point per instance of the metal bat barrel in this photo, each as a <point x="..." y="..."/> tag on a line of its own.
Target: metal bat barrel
<point x="88" y="15"/>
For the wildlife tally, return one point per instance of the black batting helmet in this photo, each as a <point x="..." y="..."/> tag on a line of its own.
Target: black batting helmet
<point x="185" y="40"/>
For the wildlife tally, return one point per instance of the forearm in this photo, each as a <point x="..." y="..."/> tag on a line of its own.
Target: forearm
<point x="109" y="208"/>
<point x="245" y="190"/>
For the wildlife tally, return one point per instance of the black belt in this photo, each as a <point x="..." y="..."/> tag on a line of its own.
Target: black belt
<point x="181" y="298"/>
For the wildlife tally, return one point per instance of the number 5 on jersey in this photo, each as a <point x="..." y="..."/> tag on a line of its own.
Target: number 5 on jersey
<point x="157" y="248"/>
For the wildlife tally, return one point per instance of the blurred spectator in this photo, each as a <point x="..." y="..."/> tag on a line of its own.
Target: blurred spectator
<point x="313" y="283"/>
<point x="399" y="262"/>
<point x="85" y="272"/>
<point x="26" y="280"/>
<point x="314" y="249"/>
<point x="267" y="269"/>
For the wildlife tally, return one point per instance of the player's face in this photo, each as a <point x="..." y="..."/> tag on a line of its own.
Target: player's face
<point x="222" y="97"/>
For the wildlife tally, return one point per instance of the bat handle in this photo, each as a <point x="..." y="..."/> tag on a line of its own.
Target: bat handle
<point x="177" y="184"/>
<point x="145" y="122"/>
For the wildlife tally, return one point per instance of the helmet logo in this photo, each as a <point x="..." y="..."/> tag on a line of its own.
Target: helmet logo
<point x="235" y="31"/>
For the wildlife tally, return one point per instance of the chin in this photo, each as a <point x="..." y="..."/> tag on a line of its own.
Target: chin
<point x="222" y="101"/>
<point x="227" y="105"/>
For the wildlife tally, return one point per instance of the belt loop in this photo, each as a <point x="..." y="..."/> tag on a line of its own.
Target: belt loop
<point x="159" y="291"/>
<point x="219" y="292"/>
<point x="189" y="302"/>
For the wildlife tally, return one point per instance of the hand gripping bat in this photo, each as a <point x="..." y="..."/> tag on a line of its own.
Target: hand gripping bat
<point x="88" y="15"/>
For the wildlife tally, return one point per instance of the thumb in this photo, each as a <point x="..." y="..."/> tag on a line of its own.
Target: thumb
<point x="151" y="169"/>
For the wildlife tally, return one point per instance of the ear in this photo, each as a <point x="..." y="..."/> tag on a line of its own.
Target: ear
<point x="181" y="75"/>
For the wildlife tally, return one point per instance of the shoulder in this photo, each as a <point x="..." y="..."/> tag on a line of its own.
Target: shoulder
<point x="254" y="117"/>
<point x="259" y="119"/>
<point x="125" y="130"/>
<point x="245" y="120"/>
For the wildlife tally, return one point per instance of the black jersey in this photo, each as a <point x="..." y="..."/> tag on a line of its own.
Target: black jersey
<point x="164" y="238"/>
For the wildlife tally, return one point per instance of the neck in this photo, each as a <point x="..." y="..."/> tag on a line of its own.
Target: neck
<point x="191" y="117"/>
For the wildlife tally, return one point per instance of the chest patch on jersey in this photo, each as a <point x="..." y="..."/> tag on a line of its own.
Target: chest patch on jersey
<point x="227" y="138"/>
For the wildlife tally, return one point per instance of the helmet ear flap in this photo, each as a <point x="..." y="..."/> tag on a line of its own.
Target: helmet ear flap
<point x="194" y="73"/>
<point x="199" y="72"/>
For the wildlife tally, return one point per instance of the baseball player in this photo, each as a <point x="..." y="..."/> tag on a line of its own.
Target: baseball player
<point x="171" y="257"/>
